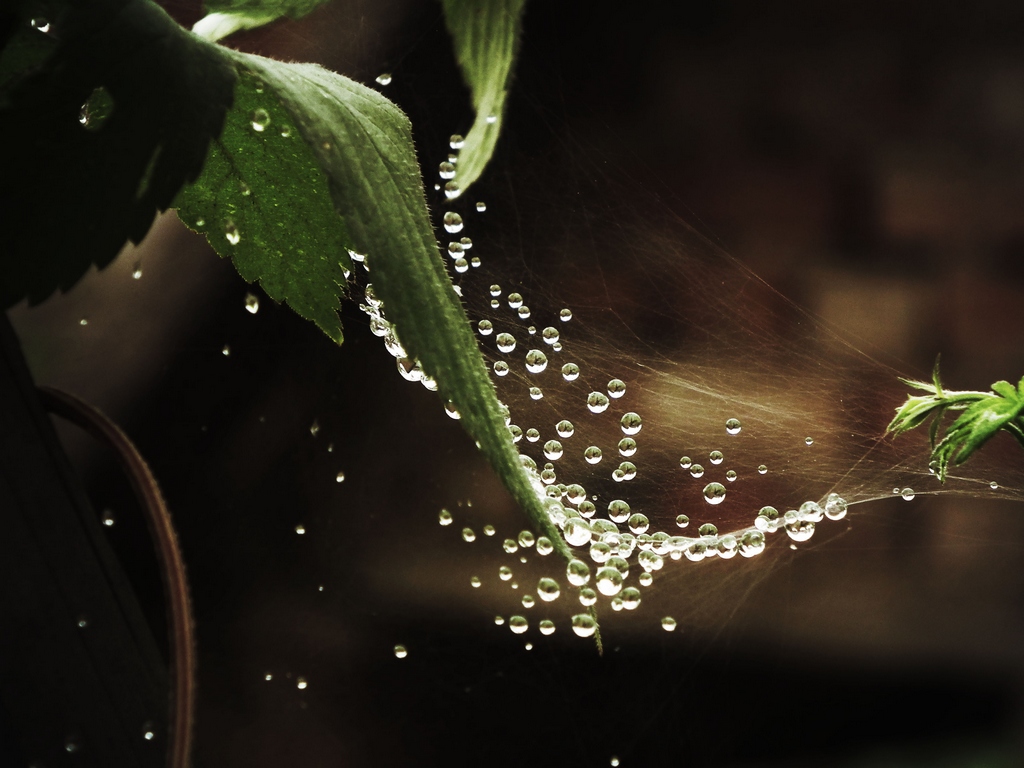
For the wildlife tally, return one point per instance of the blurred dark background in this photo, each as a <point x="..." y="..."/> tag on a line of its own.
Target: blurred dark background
<point x="865" y="158"/>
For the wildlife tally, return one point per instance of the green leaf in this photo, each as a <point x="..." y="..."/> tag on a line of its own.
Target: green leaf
<point x="264" y="201"/>
<point x="73" y="193"/>
<point x="485" y="34"/>
<point x="363" y="145"/>
<point x="975" y="426"/>
<point x="225" y="17"/>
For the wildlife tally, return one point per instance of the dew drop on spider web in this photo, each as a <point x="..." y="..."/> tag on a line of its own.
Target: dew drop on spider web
<point x="733" y="426"/>
<point x="627" y="446"/>
<point x="468" y="535"/>
<point x="716" y="457"/>
<point x="518" y="624"/>
<point x="696" y="470"/>
<point x="565" y="315"/>
<point x="252" y="303"/>
<point x="907" y="494"/>
<point x="570" y="371"/>
<point x="456" y="141"/>
<point x="548" y="589"/>
<point x="481" y="207"/>
<point x="506" y="342"/>
<point x="536" y="393"/>
<point x="616" y="388"/>
<point x="682" y="521"/>
<point x="565" y="428"/>
<point x="583" y="624"/>
<point x="597" y="402"/>
<point x="536" y="361"/>
<point x="731" y="475"/>
<point x="400" y="653"/>
<point x="631" y="423"/>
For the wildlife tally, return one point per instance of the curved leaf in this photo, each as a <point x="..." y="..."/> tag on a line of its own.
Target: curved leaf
<point x="264" y="202"/>
<point x="75" y="191"/>
<point x="225" y="17"/>
<point x="485" y="34"/>
<point x="363" y="147"/>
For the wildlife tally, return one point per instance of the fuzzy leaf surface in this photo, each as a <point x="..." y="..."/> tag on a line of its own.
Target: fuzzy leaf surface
<point x="485" y="35"/>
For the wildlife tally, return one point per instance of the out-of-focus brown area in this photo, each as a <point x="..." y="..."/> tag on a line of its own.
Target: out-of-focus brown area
<point x="865" y="158"/>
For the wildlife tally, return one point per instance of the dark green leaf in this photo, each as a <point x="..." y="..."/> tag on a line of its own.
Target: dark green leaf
<point x="229" y="16"/>
<point x="363" y="145"/>
<point x="73" y="196"/>
<point x="264" y="201"/>
<point x="485" y="34"/>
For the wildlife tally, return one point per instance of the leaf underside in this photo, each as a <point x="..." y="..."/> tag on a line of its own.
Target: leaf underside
<point x="74" y="196"/>
<point x="485" y="36"/>
<point x="225" y="17"/>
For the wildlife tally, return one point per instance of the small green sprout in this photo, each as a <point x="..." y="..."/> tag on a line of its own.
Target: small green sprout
<point x="984" y="414"/>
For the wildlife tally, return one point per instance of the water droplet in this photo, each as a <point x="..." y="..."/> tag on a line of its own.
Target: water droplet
<point x="685" y="462"/>
<point x="500" y="368"/>
<point x="515" y="300"/>
<point x="301" y="684"/>
<point x="466" y="243"/>
<point x="550" y="335"/>
<point x="682" y="521"/>
<point x="286" y="132"/>
<point x="499" y="620"/>
<point x="565" y="428"/>
<point x="524" y="313"/>
<point x="618" y="511"/>
<point x="536" y="393"/>
<point x="83" y="622"/>
<point x="41" y="24"/>
<point x="994" y="485"/>
<point x="451" y="189"/>
<point x="455" y="249"/>
<point x="597" y="402"/>
<point x="645" y="579"/>
<point x="762" y="469"/>
<point x="137" y="271"/>
<point x="492" y="119"/>
<point x="609" y="581"/>
<point x="252" y="304"/>
<point x="626" y="471"/>
<point x="592" y="454"/>
<point x="630" y="598"/>
<point x="627" y="446"/>
<point x="668" y="624"/>
<point x="797" y="529"/>
<point x="639" y="523"/>
<point x="226" y="350"/>
<point x="456" y="141"/>
<point x="715" y="457"/>
<point x="546" y="627"/>
<point x="570" y="371"/>
<point x="733" y="426"/>
<point x="300" y="529"/>
<point x="231" y="232"/>
<point x="468" y="535"/>
<point x="809" y="440"/>
<point x="528" y="601"/>
<point x="260" y="120"/>
<point x="565" y="315"/>
<point x="731" y="476"/>
<point x="907" y="494"/>
<point x="446" y="170"/>
<point x="481" y="207"/>
<point x="107" y="518"/>
<point x="506" y="342"/>
<point x="340" y="477"/>
<point x="488" y="530"/>
<point x="548" y="589"/>
<point x="696" y="470"/>
<point x="401" y="652"/>
<point x="518" y="624"/>
<point x="452" y="411"/>
<point x="485" y="327"/>
<point x="444" y="517"/>
<point x="384" y="79"/>
<point x="505" y="573"/>
<point x="630" y="423"/>
<point x="536" y="361"/>
<point x="835" y="507"/>
<point x="583" y="624"/>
